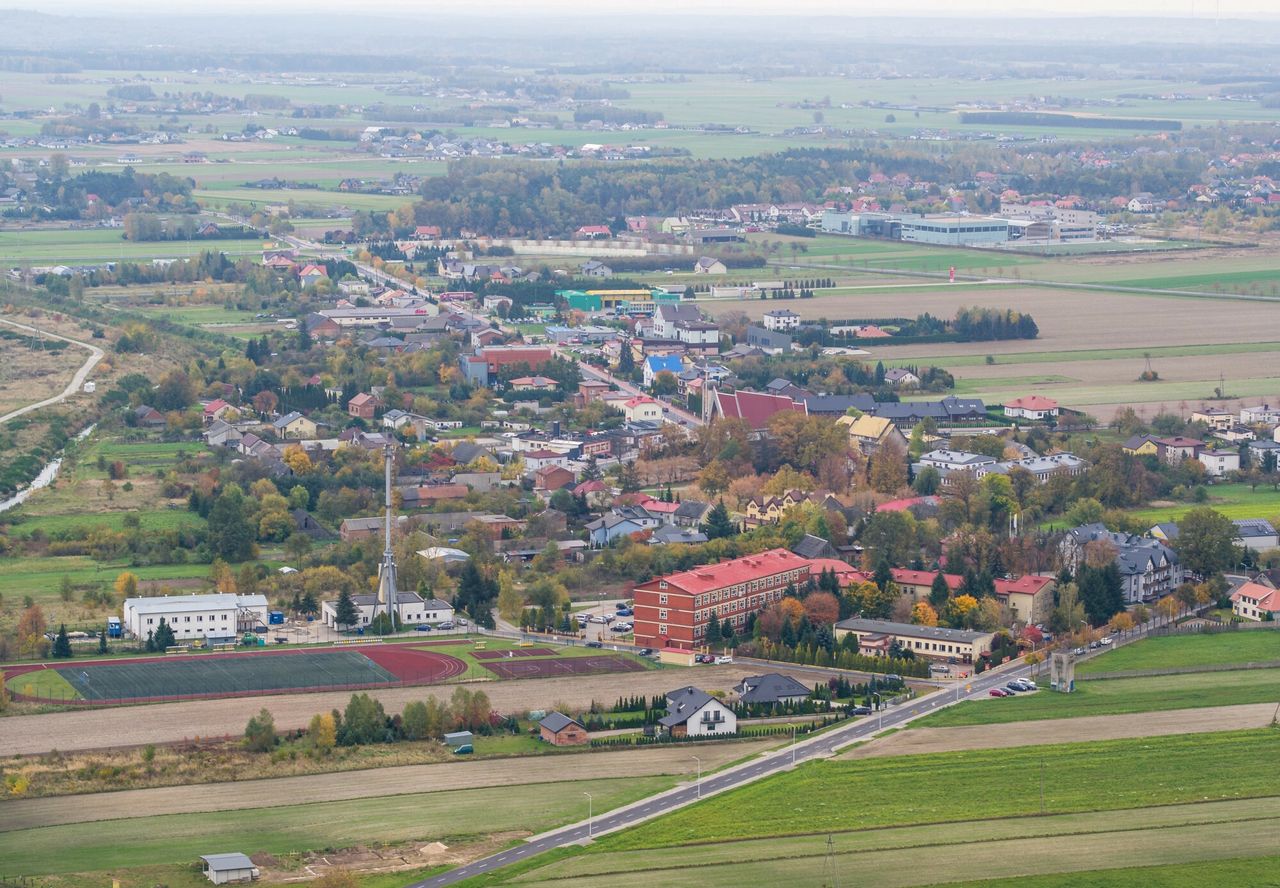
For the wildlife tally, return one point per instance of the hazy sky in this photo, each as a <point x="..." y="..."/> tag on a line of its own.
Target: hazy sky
<point x="1156" y="8"/>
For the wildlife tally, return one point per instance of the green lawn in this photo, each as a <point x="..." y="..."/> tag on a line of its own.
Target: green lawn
<point x="1232" y="500"/>
<point x="152" y="519"/>
<point x="1161" y="652"/>
<point x="430" y="816"/>
<point x="1116" y="697"/>
<point x="1092" y="354"/>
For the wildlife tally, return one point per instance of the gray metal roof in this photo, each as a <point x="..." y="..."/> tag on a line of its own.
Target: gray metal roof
<point x="230" y="861"/>
<point x="770" y="688"/>
<point x="885" y="627"/>
<point x="684" y="704"/>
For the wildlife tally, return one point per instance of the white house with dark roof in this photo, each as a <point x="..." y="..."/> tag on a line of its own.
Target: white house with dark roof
<point x="771" y="688"/>
<point x="695" y="713"/>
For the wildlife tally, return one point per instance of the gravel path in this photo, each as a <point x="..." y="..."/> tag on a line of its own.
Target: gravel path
<point x="914" y="741"/>
<point x="173" y="722"/>
<point x="405" y="779"/>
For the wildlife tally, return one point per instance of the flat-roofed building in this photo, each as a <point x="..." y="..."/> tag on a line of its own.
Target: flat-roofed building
<point x="877" y="637"/>
<point x="194" y="617"/>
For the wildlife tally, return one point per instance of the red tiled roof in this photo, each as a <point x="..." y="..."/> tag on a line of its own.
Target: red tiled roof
<point x="541" y="454"/>
<point x="1034" y="402"/>
<point x="1268" y="599"/>
<point x="755" y="407"/>
<point x="901" y="505"/>
<point x="730" y="573"/>
<point x="214" y="406"/>
<point x="845" y="572"/>
<point x="1028" y="584"/>
<point x="904" y="577"/>
<point x="638" y="400"/>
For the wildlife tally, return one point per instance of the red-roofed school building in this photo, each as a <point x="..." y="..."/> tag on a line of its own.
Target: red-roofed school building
<point x="673" y="611"/>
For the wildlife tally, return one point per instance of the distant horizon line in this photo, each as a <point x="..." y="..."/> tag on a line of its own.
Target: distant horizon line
<point x="664" y="7"/>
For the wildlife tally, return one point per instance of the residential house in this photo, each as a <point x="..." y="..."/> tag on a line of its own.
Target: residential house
<point x="221" y="434"/>
<point x="595" y="269"/>
<point x="294" y="425"/>
<point x="867" y="433"/>
<point x="642" y="409"/>
<point x="1215" y="418"/>
<point x="671" y="535"/>
<point x="1033" y="407"/>
<point x="607" y="528"/>
<point x="690" y="513"/>
<point x="364" y="405"/>
<point x="592" y="232"/>
<point x="668" y="316"/>
<point x="771" y="689"/>
<point x="312" y="275"/>
<point x="900" y="377"/>
<point x="1148" y="568"/>
<point x="534" y="384"/>
<point x="1174" y="450"/>
<point x="695" y="713"/>
<point x="560" y="730"/>
<point x="1029" y="597"/>
<point x="1263" y="454"/>
<point x="216" y="409"/>
<point x="1219" y="463"/>
<point x="771" y="509"/>
<point x="1262" y="414"/>
<point x="781" y="319"/>
<point x="411" y="608"/>
<point x="551" y="478"/>
<point x="709" y="265"/>
<point x="655" y="364"/>
<point x="593" y="390"/>
<point x="1256" y="602"/>
<point x="148" y="416"/>
<point x="919" y="583"/>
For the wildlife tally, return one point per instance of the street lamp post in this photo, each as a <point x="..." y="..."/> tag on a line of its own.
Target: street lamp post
<point x="589" y="801"/>
<point x="699" y="783"/>
<point x="793" y="744"/>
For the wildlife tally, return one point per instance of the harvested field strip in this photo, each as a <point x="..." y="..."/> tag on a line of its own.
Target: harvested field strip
<point x="350" y="785"/>
<point x="573" y="666"/>
<point x="1255" y="871"/>
<point x="181" y="838"/>
<point x="929" y="836"/>
<point x="966" y="859"/>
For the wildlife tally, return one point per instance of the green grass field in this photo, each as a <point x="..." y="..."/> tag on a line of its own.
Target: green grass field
<point x="1118" y="696"/>
<point x="55" y="247"/>
<point x="916" y="820"/>
<point x="1232" y="500"/>
<point x="1259" y="872"/>
<point x="430" y="816"/>
<point x="1162" y="652"/>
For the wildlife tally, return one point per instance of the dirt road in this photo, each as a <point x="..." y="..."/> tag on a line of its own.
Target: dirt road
<point x="173" y="722"/>
<point x="914" y="741"/>
<point x="29" y="813"/>
<point x="95" y="355"/>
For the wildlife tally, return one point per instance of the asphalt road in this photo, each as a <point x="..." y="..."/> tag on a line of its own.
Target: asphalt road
<point x="822" y="746"/>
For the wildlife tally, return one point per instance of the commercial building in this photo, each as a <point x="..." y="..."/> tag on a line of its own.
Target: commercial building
<point x="876" y="638"/>
<point x="674" y="611"/>
<point x="194" y="617"/>
<point x="955" y="231"/>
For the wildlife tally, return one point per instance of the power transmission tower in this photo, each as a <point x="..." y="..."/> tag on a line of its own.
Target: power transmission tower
<point x="830" y="870"/>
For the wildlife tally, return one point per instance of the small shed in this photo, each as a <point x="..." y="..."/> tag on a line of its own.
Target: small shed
<point x="675" y="657"/>
<point x="560" y="730"/>
<point x="458" y="738"/>
<point x="221" y="869"/>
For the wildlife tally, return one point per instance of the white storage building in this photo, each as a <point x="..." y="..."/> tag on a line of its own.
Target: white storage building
<point x="219" y="615"/>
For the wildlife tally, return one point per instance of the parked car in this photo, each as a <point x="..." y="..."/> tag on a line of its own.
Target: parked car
<point x="939" y="667"/>
<point x="461" y="622"/>
<point x="703" y="658"/>
<point x="1013" y="687"/>
<point x="447" y="624"/>
<point x="1106" y="639"/>
<point x="1078" y="651"/>
<point x="594" y="644"/>
<point x="424" y="627"/>
<point x="1094" y="645"/>
<point x="724" y="661"/>
<point x="620" y="627"/>
<point x="625" y="612"/>
<point x="860" y="710"/>
<point x="1024" y="684"/>
<point x="647" y="652"/>
<point x="998" y="692"/>
<point x="620" y="605"/>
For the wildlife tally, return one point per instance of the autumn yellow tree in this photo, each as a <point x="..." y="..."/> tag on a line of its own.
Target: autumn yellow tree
<point x="960" y="608"/>
<point x="889" y="468"/>
<point x="297" y="459"/>
<point x="923" y="614"/>
<point x="787" y="478"/>
<point x="126" y="584"/>
<point x="322" y="731"/>
<point x="1122" y="622"/>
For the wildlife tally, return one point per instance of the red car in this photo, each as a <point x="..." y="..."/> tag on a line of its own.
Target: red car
<point x="999" y="692"/>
